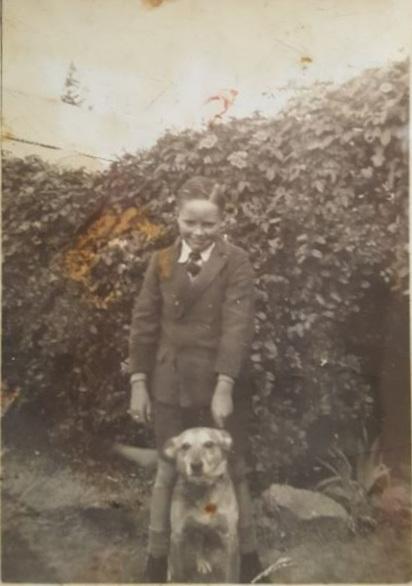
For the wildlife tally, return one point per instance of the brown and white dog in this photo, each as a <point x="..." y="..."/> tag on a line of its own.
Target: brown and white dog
<point x="204" y="511"/>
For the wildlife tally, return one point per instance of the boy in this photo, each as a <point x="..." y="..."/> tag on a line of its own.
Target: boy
<point x="191" y="332"/>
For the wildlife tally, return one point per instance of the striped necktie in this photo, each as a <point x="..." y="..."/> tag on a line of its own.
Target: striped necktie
<point x="194" y="263"/>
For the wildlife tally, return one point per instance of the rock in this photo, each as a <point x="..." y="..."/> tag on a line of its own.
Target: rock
<point x="296" y="508"/>
<point x="304" y="504"/>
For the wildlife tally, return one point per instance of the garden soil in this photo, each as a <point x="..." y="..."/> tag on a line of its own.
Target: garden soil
<point x="76" y="515"/>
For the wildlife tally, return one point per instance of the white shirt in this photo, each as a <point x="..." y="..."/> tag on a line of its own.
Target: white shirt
<point x="186" y="250"/>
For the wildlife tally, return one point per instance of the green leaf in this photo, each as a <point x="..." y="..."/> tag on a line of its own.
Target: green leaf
<point x="378" y="158"/>
<point x="386" y="137"/>
<point x="271" y="349"/>
<point x="271" y="173"/>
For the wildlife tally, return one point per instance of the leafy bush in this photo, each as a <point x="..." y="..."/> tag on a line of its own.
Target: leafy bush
<point x="318" y="197"/>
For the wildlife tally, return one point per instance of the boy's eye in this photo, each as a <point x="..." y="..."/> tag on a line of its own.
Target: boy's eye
<point x="208" y="445"/>
<point x="185" y="447"/>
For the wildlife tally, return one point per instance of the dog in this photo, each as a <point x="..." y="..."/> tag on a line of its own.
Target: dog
<point x="204" y="512"/>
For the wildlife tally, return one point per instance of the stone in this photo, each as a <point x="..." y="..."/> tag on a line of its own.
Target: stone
<point x="304" y="504"/>
<point x="297" y="510"/>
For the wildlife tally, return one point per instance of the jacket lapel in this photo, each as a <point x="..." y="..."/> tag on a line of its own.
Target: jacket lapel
<point x="184" y="291"/>
<point x="209" y="271"/>
<point x="175" y="275"/>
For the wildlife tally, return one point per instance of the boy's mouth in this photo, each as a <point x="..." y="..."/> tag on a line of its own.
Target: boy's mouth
<point x="199" y="244"/>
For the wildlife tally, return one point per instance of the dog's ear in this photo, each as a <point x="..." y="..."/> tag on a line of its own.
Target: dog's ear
<point x="224" y="439"/>
<point x="170" y="448"/>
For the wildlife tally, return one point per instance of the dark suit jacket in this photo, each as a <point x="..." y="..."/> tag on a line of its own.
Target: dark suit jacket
<point x="184" y="333"/>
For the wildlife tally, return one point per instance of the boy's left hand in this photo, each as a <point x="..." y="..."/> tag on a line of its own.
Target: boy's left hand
<point x="222" y="402"/>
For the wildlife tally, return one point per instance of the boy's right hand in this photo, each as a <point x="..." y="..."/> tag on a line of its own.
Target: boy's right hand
<point x="140" y="404"/>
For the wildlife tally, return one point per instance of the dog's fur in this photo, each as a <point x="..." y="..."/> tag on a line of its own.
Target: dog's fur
<point x="204" y="511"/>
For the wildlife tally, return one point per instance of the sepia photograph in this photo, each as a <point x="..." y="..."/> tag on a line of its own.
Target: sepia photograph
<point x="205" y="292"/>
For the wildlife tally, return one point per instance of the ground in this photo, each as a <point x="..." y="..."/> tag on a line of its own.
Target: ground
<point x="76" y="515"/>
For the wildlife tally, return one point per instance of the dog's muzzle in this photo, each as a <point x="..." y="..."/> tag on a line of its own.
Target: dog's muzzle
<point x="196" y="468"/>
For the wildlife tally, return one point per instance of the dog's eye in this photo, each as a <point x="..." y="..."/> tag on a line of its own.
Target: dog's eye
<point x="185" y="447"/>
<point x="209" y="445"/>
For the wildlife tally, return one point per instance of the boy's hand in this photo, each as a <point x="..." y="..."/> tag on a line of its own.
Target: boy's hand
<point x="222" y="402"/>
<point x="140" y="404"/>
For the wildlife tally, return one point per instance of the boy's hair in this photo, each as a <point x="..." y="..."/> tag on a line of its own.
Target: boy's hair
<point x="199" y="187"/>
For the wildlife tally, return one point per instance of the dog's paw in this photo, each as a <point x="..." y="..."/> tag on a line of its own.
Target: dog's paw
<point x="203" y="566"/>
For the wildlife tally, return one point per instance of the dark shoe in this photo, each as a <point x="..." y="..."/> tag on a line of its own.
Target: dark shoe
<point x="156" y="570"/>
<point x="250" y="567"/>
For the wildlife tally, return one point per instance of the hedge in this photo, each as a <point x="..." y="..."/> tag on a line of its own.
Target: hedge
<point x="318" y="196"/>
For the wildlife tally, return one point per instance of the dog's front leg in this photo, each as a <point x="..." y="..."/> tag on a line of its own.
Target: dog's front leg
<point x="196" y="539"/>
<point x="203" y="565"/>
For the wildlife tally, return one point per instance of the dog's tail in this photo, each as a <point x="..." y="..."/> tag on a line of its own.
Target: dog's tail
<point x="145" y="457"/>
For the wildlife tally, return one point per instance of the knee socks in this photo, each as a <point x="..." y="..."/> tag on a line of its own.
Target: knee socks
<point x="159" y="527"/>
<point x="247" y="531"/>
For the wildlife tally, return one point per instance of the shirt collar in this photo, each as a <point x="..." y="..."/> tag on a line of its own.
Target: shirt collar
<point x="186" y="250"/>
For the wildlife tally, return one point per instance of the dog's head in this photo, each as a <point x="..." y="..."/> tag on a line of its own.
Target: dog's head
<point x="200" y="453"/>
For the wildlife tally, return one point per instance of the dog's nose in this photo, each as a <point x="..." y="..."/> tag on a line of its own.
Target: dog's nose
<point x="196" y="467"/>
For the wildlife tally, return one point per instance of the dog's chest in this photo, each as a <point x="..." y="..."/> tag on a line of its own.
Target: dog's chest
<point x="216" y="509"/>
<point x="208" y="514"/>
<point x="204" y="534"/>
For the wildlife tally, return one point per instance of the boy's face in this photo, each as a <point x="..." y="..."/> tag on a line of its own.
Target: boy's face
<point x="199" y="222"/>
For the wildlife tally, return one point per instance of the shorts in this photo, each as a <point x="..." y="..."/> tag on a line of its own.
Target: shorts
<point x="171" y="420"/>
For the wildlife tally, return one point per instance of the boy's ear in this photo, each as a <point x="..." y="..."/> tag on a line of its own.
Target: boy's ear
<point x="224" y="439"/>
<point x="170" y="448"/>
